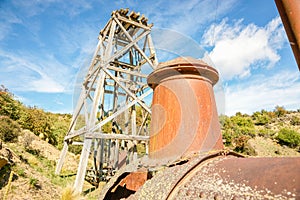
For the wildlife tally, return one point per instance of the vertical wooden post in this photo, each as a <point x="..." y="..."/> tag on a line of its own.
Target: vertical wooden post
<point x="81" y="171"/>
<point x="101" y="154"/>
<point x="61" y="158"/>
<point x="116" y="158"/>
<point x="152" y="50"/>
<point x="133" y="120"/>
<point x="95" y="167"/>
<point x="110" y="152"/>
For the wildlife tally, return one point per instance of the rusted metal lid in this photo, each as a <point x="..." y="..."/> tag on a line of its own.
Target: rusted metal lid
<point x="183" y="67"/>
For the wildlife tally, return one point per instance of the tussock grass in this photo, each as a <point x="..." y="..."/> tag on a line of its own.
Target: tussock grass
<point x="69" y="194"/>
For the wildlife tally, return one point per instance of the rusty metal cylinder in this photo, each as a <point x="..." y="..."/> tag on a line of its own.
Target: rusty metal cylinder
<point x="184" y="114"/>
<point x="289" y="11"/>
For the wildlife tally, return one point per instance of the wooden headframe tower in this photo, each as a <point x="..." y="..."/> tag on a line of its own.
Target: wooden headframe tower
<point x="114" y="89"/>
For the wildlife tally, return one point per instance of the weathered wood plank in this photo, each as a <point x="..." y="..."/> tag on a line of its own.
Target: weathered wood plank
<point x="61" y="159"/>
<point x="121" y="18"/>
<point x="75" y="133"/>
<point x="127" y="71"/>
<point x="78" y="185"/>
<point x="100" y="135"/>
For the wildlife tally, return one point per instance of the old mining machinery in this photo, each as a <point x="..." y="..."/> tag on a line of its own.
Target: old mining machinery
<point x="186" y="158"/>
<point x="113" y="91"/>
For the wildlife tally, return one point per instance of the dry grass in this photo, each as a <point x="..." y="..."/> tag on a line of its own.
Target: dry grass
<point x="266" y="147"/>
<point x="69" y="194"/>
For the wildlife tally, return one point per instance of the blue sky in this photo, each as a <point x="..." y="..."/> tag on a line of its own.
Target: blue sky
<point x="44" y="43"/>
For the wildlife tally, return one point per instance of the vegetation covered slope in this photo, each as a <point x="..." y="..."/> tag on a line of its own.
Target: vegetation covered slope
<point x="30" y="143"/>
<point x="15" y="116"/>
<point x="264" y="133"/>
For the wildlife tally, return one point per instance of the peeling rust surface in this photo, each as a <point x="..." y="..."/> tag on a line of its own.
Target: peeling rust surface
<point x="225" y="177"/>
<point x="273" y="175"/>
<point x="167" y="178"/>
<point x="164" y="180"/>
<point x="116" y="178"/>
<point x="241" y="178"/>
<point x="134" y="180"/>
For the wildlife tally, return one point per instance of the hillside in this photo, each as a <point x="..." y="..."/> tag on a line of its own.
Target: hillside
<point x="30" y="143"/>
<point x="264" y="133"/>
<point x="32" y="163"/>
<point x="31" y="139"/>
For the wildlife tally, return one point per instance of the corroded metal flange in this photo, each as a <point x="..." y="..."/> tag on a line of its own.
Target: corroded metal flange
<point x="181" y="68"/>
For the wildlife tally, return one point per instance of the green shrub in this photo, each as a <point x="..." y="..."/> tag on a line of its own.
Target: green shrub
<point x="237" y="130"/>
<point x="265" y="132"/>
<point x="76" y="149"/>
<point x="243" y="125"/>
<point x="59" y="128"/>
<point x="21" y="172"/>
<point x="35" y="120"/>
<point x="9" y="107"/>
<point x="9" y="129"/>
<point x="240" y="143"/>
<point x="289" y="137"/>
<point x="33" y="182"/>
<point x="261" y="118"/>
<point x="295" y="121"/>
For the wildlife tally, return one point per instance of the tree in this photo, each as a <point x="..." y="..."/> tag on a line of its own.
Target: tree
<point x="280" y="111"/>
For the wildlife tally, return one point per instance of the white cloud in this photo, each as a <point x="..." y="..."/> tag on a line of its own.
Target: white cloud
<point x="83" y="41"/>
<point x="45" y="84"/>
<point x="188" y="17"/>
<point x="21" y="73"/>
<point x="264" y="92"/>
<point x="77" y="7"/>
<point x="49" y="68"/>
<point x="7" y="19"/>
<point x="238" y="48"/>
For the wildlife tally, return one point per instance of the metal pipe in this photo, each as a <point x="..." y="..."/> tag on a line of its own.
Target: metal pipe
<point x="289" y="11"/>
<point x="184" y="115"/>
